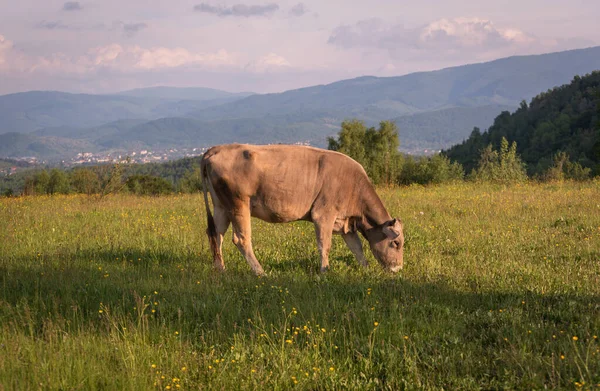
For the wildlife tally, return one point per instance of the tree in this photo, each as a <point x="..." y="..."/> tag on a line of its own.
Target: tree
<point x="564" y="168"/>
<point x="375" y="149"/>
<point x="40" y="182"/>
<point x="148" y="185"/>
<point x="351" y="141"/>
<point x="85" y="181"/>
<point x="191" y="181"/>
<point x="503" y="166"/>
<point x="59" y="182"/>
<point x="382" y="152"/>
<point x="564" y="119"/>
<point x="111" y="179"/>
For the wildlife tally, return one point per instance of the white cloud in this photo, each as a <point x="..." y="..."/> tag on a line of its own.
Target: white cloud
<point x="5" y="46"/>
<point x="442" y="38"/>
<point x="267" y="63"/>
<point x="172" y="58"/>
<point x="471" y="32"/>
<point x="10" y="58"/>
<point x="125" y="59"/>
<point x="130" y="59"/>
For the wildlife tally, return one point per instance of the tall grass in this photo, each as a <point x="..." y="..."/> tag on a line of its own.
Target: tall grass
<point x="501" y="290"/>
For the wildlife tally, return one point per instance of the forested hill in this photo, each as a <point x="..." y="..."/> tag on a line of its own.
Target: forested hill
<point x="564" y="119"/>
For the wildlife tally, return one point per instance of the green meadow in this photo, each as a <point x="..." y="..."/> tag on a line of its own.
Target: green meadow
<point x="500" y="290"/>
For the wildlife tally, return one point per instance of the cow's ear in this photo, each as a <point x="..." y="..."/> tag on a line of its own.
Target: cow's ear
<point x="392" y="229"/>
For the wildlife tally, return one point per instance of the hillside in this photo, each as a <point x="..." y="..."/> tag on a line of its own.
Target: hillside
<point x="502" y="82"/>
<point x="565" y="119"/>
<point x="22" y="145"/>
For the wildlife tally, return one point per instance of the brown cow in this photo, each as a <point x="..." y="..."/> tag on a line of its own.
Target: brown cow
<point x="283" y="183"/>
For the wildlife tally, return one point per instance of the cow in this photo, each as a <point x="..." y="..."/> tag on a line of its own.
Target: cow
<point x="285" y="183"/>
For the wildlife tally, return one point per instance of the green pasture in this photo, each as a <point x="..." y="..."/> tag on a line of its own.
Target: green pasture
<point x="500" y="290"/>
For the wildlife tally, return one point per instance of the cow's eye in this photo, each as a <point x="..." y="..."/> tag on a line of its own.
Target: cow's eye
<point x="395" y="244"/>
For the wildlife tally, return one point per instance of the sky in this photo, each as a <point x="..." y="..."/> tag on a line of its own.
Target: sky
<point x="105" y="46"/>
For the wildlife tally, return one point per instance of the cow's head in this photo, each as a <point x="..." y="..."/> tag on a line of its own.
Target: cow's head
<point x="387" y="243"/>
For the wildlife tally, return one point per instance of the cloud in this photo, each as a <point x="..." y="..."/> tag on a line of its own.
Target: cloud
<point x="10" y="58"/>
<point x="121" y="59"/>
<point x="72" y="6"/>
<point x="5" y="47"/>
<point x="170" y="58"/>
<point x="440" y="38"/>
<point x="130" y="29"/>
<point x="53" y="25"/>
<point x="268" y="63"/>
<point x="299" y="10"/>
<point x="471" y="32"/>
<point x="237" y="9"/>
<point x="126" y="59"/>
<point x="113" y="57"/>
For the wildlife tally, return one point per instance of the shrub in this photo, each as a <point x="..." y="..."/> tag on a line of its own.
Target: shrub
<point x="430" y="170"/>
<point x="503" y="166"/>
<point x="148" y="185"/>
<point x="85" y="181"/>
<point x="562" y="168"/>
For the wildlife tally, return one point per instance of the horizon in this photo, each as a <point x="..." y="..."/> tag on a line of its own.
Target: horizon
<point x="122" y="91"/>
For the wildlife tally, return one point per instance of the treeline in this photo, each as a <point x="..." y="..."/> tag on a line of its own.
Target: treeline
<point x="182" y="176"/>
<point x="376" y="149"/>
<point x="559" y="127"/>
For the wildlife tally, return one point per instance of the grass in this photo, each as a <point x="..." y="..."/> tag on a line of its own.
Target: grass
<point x="501" y="290"/>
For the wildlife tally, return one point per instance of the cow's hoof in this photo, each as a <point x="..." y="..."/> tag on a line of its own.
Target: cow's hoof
<point x="324" y="269"/>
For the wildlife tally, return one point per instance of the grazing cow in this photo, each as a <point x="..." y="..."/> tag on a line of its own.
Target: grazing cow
<point x="283" y="183"/>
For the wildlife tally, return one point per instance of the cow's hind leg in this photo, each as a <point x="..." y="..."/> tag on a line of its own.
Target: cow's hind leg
<point x="242" y="237"/>
<point x="353" y="242"/>
<point x="221" y="225"/>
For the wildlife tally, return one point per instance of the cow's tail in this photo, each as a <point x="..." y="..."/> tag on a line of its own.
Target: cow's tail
<point x="211" y="231"/>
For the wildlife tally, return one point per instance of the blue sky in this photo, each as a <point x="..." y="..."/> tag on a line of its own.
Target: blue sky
<point x="103" y="46"/>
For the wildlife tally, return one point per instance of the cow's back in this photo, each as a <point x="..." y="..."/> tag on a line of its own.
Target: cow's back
<point x="282" y="182"/>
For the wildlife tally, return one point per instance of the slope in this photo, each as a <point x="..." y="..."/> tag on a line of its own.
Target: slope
<point x="502" y="82"/>
<point x="564" y="119"/>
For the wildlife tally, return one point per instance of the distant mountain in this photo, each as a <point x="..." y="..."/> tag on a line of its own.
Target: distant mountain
<point x="505" y="82"/>
<point x="23" y="145"/>
<point x="433" y="110"/>
<point x="435" y="130"/>
<point x="185" y="132"/>
<point x="186" y="93"/>
<point x="566" y="119"/>
<point x="92" y="133"/>
<point x="31" y="111"/>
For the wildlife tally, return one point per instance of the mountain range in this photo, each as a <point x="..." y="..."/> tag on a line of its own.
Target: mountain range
<point x="433" y="110"/>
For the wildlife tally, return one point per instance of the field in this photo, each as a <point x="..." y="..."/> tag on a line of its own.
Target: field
<point x="500" y="290"/>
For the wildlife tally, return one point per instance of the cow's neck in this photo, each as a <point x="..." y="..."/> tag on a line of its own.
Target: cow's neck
<point x="374" y="212"/>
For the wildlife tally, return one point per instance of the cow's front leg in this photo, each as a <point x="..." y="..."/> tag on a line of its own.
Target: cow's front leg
<point x="353" y="242"/>
<point x="323" y="229"/>
<point x="242" y="237"/>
